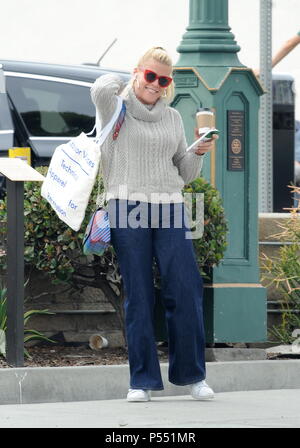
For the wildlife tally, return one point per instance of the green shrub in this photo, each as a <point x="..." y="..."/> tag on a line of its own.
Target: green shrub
<point x="29" y="335"/>
<point x="284" y="272"/>
<point x="52" y="247"/>
<point x="210" y="248"/>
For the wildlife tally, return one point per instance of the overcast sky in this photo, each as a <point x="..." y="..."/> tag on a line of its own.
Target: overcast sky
<point x="76" y="31"/>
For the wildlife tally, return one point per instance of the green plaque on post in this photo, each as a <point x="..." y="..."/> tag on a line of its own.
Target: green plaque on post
<point x="235" y="140"/>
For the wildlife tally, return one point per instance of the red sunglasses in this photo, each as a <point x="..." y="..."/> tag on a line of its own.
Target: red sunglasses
<point x="163" y="81"/>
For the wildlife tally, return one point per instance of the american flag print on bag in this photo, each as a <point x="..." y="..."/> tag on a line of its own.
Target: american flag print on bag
<point x="97" y="234"/>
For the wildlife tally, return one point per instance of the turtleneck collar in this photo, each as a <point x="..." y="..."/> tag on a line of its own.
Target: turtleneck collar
<point x="142" y="111"/>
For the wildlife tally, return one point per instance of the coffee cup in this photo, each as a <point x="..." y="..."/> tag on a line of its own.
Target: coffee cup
<point x="205" y="120"/>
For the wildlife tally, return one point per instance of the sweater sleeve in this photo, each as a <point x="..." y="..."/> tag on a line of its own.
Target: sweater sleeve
<point x="188" y="163"/>
<point x="103" y="94"/>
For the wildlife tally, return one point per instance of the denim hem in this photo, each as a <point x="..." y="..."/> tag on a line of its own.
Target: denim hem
<point x="147" y="388"/>
<point x="192" y="381"/>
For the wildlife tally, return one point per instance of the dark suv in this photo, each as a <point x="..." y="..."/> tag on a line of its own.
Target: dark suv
<point x="43" y="105"/>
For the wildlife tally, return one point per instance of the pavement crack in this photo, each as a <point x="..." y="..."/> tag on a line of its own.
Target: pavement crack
<point x="20" y="379"/>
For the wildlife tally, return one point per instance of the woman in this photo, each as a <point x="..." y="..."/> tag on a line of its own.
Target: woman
<point x="144" y="172"/>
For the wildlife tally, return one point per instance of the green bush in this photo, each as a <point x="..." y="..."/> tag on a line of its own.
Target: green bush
<point x="284" y="272"/>
<point x="52" y="247"/>
<point x="29" y="335"/>
<point x="210" y="248"/>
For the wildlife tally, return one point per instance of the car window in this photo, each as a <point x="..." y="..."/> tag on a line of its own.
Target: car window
<point x="51" y="108"/>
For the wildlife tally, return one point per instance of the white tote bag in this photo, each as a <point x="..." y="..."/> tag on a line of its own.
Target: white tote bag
<point x="72" y="173"/>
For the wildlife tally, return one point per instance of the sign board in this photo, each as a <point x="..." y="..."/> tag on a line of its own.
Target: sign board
<point x="17" y="170"/>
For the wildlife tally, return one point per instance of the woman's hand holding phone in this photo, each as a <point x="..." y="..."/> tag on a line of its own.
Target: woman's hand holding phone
<point x="202" y="147"/>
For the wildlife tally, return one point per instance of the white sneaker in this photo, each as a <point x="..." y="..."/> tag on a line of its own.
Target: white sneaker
<point x="138" y="395"/>
<point x="201" y="391"/>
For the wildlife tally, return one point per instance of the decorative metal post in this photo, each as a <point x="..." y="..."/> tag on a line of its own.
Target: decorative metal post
<point x="209" y="74"/>
<point x="208" y="40"/>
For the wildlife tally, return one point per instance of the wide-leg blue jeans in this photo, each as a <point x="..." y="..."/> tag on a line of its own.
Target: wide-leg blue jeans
<point x="182" y="292"/>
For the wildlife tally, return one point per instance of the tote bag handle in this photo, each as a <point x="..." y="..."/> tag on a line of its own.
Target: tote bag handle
<point x="101" y="136"/>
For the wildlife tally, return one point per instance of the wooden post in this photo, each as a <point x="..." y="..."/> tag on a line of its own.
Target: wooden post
<point x="15" y="273"/>
<point x="16" y="171"/>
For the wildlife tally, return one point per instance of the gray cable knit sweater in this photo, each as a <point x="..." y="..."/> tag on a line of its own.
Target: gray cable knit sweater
<point x="148" y="161"/>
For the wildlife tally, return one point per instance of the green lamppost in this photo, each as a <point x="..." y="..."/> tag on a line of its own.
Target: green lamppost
<point x="209" y="74"/>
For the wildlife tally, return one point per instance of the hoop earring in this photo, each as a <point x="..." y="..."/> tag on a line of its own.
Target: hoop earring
<point x="164" y="95"/>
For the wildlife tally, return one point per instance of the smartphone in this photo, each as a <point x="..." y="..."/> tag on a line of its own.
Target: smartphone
<point x="209" y="134"/>
<point x="204" y="137"/>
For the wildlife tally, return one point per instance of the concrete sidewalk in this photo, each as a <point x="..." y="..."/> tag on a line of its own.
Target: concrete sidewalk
<point x="251" y="409"/>
<point x="89" y="383"/>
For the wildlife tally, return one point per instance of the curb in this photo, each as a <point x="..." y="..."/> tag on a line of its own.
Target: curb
<point x="88" y="383"/>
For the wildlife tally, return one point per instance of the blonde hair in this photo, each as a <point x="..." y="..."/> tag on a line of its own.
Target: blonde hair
<point x="160" y="55"/>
